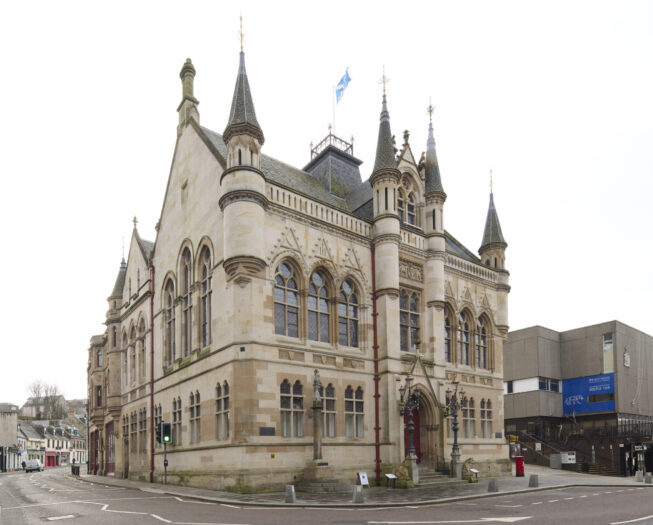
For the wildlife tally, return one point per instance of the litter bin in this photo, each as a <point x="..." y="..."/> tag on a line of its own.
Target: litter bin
<point x="519" y="466"/>
<point x="75" y="470"/>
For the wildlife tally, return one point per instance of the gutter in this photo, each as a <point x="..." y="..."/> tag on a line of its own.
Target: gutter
<point x="375" y="347"/>
<point x="151" y="373"/>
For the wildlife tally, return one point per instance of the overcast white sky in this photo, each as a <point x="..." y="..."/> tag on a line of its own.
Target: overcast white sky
<point x="553" y="96"/>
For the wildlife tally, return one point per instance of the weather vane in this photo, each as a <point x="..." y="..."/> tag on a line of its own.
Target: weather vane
<point x="135" y="221"/>
<point x="384" y="80"/>
<point x="490" y="181"/>
<point x="430" y="110"/>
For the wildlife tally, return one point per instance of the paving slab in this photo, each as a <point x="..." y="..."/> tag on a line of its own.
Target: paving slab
<point x="383" y="497"/>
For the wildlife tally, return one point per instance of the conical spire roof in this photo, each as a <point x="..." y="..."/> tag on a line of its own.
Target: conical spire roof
<point x="120" y="280"/>
<point x="242" y="118"/>
<point x="385" y="151"/>
<point x="433" y="181"/>
<point x="492" y="233"/>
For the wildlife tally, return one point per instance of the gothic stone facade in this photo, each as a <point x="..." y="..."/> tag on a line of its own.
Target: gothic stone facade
<point x="262" y="273"/>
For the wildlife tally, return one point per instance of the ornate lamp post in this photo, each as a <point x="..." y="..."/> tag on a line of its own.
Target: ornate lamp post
<point x="409" y="401"/>
<point x="455" y="400"/>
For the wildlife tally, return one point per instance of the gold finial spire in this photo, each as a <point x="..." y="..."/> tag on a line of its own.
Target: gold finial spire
<point x="384" y="80"/>
<point x="490" y="181"/>
<point x="240" y="33"/>
<point x="430" y="110"/>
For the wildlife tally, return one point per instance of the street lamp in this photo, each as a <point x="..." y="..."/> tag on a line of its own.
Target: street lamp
<point x="455" y="400"/>
<point x="409" y="401"/>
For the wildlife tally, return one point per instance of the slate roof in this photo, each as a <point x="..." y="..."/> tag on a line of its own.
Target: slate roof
<point x="29" y="431"/>
<point x="242" y="113"/>
<point x="492" y="233"/>
<point x="385" y="151"/>
<point x="120" y="280"/>
<point x="433" y="181"/>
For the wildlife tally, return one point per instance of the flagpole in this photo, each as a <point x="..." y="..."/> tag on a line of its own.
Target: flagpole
<point x="333" y="105"/>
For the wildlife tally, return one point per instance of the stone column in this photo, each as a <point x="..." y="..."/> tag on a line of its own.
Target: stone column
<point x="317" y="417"/>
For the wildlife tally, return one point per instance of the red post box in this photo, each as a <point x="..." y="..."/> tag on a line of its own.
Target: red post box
<point x="519" y="466"/>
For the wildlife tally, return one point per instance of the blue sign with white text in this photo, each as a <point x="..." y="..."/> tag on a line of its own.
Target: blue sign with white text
<point x="588" y="394"/>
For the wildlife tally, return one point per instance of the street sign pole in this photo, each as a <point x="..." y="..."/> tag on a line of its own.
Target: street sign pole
<point x="165" y="463"/>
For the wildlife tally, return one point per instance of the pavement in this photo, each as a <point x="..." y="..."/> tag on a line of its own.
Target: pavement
<point x="382" y="497"/>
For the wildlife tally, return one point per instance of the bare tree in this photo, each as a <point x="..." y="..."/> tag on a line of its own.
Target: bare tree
<point x="53" y="403"/>
<point x="36" y="389"/>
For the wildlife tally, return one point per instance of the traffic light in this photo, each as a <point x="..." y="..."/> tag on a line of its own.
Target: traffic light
<point x="166" y="432"/>
<point x="158" y="433"/>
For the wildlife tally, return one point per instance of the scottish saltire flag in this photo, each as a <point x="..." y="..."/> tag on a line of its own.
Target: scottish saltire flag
<point x="342" y="85"/>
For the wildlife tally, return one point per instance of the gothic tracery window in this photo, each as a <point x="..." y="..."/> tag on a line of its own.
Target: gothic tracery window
<point x="318" y="308"/>
<point x="448" y="356"/>
<point x="186" y="284"/>
<point x="286" y="301"/>
<point x="170" y="322"/>
<point x="292" y="409"/>
<point x="409" y="324"/>
<point x="481" y="343"/>
<point x="406" y="202"/>
<point x="222" y="410"/>
<point x="463" y="338"/>
<point x="348" y="315"/>
<point x="354" y="413"/>
<point x="206" y="291"/>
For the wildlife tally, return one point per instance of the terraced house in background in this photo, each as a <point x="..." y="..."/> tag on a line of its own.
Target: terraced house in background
<point x="262" y="274"/>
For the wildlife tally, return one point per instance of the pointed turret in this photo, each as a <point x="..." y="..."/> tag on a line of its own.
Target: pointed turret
<point x="493" y="246"/>
<point x="120" y="281"/>
<point x="431" y="167"/>
<point x="385" y="151"/>
<point x="242" y="118"/>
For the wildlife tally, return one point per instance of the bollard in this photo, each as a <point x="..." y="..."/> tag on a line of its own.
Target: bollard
<point x="648" y="478"/>
<point x="533" y="481"/>
<point x="493" y="485"/>
<point x="359" y="495"/>
<point x="639" y="476"/>
<point x="290" y="494"/>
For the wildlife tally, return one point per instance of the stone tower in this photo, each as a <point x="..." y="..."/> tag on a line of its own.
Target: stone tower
<point x="243" y="199"/>
<point x="188" y="106"/>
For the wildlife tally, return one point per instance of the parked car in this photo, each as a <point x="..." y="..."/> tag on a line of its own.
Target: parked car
<point x="33" y="464"/>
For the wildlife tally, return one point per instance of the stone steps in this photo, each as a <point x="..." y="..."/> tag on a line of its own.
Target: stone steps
<point x="431" y="478"/>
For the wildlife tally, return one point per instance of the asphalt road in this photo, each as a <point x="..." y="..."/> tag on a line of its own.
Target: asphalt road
<point x="51" y="496"/>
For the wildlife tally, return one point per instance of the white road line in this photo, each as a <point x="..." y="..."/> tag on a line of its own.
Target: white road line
<point x="552" y="500"/>
<point x="55" y="518"/>
<point x="632" y="521"/>
<point x="582" y="496"/>
<point x="537" y="503"/>
<point x="509" y="506"/>
<point x="569" y="498"/>
<point x="481" y="520"/>
<point x="230" y="506"/>
<point x="160" y="518"/>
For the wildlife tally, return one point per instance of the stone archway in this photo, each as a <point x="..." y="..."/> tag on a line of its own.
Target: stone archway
<point x="429" y="430"/>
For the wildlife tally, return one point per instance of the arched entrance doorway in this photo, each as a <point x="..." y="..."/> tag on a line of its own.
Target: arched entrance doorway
<point x="426" y="437"/>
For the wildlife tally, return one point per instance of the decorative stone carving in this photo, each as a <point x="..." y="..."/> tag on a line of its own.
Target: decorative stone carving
<point x="411" y="270"/>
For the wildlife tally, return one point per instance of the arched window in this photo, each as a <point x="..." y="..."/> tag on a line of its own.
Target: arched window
<point x="469" y="415"/>
<point x="186" y="284"/>
<point x="488" y="419"/>
<point x="170" y="322"/>
<point x="348" y="315"/>
<point x="318" y="308"/>
<point x="354" y="414"/>
<point x="286" y="302"/>
<point x="195" y="436"/>
<point x="448" y="356"/>
<point x="206" y="290"/>
<point x="132" y="355"/>
<point x="114" y="333"/>
<point x="141" y="350"/>
<point x="406" y="202"/>
<point x="481" y="343"/>
<point x="222" y="410"/>
<point x="158" y="417"/>
<point x="463" y="339"/>
<point x="329" y="423"/>
<point x="408" y="321"/>
<point x="292" y="409"/>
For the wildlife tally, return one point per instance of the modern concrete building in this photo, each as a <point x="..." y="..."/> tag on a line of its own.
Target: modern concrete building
<point x="264" y="280"/>
<point x="595" y="382"/>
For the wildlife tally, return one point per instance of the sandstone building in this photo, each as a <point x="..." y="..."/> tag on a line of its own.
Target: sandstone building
<point x="262" y="273"/>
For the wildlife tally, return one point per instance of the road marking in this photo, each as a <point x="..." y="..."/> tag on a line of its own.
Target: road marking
<point x="582" y="496"/>
<point x="632" y="521"/>
<point x="481" y="520"/>
<point x="509" y="506"/>
<point x="537" y="503"/>
<point x="230" y="506"/>
<point x="55" y="518"/>
<point x="608" y="492"/>
<point x="160" y="518"/>
<point x="569" y="498"/>
<point x="552" y="500"/>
